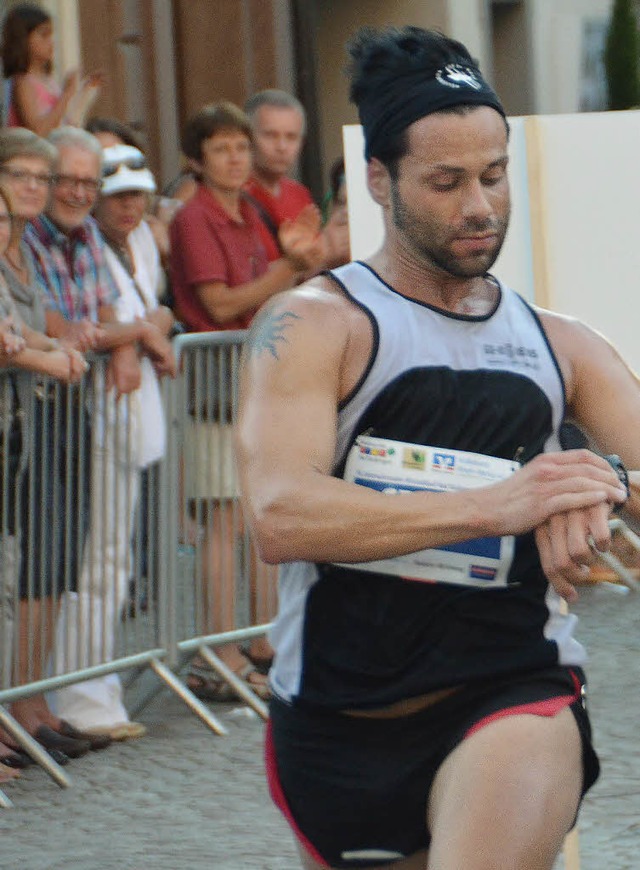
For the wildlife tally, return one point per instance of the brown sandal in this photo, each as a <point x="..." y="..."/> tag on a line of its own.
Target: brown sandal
<point x="207" y="685"/>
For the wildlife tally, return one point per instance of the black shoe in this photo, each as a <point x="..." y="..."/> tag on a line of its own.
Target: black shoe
<point x="50" y="739"/>
<point x="16" y="758"/>
<point x="95" y="741"/>
<point x="59" y="757"/>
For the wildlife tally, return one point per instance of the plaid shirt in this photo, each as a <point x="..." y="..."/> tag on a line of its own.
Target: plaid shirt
<point x="71" y="269"/>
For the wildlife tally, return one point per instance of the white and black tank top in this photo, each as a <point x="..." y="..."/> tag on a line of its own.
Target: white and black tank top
<point x="488" y="384"/>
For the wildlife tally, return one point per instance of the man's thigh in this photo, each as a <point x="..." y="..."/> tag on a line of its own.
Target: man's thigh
<point x="507" y="795"/>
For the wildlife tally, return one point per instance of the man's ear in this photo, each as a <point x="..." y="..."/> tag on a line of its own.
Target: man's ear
<point x="379" y="182"/>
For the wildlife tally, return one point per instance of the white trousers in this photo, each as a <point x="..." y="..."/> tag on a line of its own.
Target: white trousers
<point x="87" y="621"/>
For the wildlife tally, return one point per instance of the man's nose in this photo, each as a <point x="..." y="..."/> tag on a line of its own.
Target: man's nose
<point x="477" y="203"/>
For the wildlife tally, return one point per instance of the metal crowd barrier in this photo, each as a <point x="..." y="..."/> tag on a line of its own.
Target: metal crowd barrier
<point x="220" y="591"/>
<point x="108" y="568"/>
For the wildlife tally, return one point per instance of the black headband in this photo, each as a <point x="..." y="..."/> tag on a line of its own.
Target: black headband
<point x="387" y="112"/>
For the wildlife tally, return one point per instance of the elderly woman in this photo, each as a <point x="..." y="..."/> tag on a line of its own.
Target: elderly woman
<point x="129" y="440"/>
<point x="25" y="173"/>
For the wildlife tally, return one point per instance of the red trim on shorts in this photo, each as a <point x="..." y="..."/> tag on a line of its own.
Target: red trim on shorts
<point x="277" y="796"/>
<point x="545" y="707"/>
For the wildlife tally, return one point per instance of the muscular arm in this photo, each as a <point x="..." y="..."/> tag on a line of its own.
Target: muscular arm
<point x="603" y="394"/>
<point x="603" y="397"/>
<point x="299" y="364"/>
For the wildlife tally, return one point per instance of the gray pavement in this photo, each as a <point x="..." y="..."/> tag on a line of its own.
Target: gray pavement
<point x="183" y="799"/>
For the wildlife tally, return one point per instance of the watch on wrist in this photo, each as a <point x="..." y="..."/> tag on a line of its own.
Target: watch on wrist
<point x="623" y="475"/>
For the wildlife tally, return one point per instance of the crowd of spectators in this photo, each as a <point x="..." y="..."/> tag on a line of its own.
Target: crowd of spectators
<point x="89" y="252"/>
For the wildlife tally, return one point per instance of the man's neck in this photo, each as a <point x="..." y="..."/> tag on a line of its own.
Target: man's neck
<point x="475" y="296"/>
<point x="268" y="180"/>
<point x="66" y="231"/>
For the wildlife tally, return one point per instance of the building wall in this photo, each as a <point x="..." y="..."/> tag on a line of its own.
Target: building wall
<point x="512" y="74"/>
<point x="165" y="59"/>
<point x="337" y="20"/>
<point x="557" y="44"/>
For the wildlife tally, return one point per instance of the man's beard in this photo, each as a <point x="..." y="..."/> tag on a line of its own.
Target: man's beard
<point x="420" y="235"/>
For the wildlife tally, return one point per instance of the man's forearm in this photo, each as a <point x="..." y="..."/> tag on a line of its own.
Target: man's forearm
<point x="330" y="520"/>
<point x="304" y="514"/>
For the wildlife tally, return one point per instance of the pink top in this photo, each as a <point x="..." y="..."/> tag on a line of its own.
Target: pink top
<point x="47" y="92"/>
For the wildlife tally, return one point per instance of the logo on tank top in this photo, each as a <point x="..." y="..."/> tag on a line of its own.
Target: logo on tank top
<point x="517" y="356"/>
<point x="443" y="462"/>
<point x="380" y="452"/>
<point x="413" y="457"/>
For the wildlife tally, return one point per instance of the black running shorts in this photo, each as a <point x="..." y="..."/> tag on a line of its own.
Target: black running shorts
<point x="355" y="789"/>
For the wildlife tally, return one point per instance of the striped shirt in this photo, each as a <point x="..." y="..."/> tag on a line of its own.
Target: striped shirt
<point x="70" y="268"/>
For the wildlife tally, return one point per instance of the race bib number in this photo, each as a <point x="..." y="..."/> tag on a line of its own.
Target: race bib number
<point x="397" y="468"/>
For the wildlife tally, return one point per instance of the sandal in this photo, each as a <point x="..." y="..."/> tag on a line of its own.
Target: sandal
<point x="262" y="664"/>
<point x="259" y="685"/>
<point x="208" y="686"/>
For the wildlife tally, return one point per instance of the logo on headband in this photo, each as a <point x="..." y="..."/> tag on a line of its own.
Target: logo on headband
<point x="455" y="76"/>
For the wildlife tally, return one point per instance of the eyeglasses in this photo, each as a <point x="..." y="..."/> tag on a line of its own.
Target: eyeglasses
<point x="132" y="163"/>
<point x="70" y="182"/>
<point x="23" y="176"/>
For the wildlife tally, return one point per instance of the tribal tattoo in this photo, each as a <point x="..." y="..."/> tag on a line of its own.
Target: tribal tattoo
<point x="268" y="330"/>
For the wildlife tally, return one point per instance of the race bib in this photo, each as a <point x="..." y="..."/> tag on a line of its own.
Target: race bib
<point x="397" y="468"/>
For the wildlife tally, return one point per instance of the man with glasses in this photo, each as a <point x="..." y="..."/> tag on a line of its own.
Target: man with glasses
<point x="71" y="268"/>
<point x="80" y="296"/>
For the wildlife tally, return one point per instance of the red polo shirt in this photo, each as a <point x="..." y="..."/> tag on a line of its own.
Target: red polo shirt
<point x="290" y="201"/>
<point x="209" y="246"/>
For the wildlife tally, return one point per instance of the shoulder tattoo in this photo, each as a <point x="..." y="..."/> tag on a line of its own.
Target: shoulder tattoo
<point x="268" y="330"/>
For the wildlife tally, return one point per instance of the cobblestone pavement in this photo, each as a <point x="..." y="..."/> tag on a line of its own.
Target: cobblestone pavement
<point x="184" y="799"/>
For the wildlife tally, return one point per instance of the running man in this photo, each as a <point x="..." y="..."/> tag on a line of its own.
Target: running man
<point x="438" y="722"/>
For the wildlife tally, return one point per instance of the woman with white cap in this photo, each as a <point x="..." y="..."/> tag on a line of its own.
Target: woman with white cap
<point x="133" y="437"/>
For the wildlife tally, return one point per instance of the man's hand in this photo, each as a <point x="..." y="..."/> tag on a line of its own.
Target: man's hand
<point x="568" y="544"/>
<point x="123" y="371"/>
<point x="557" y="483"/>
<point x="301" y="240"/>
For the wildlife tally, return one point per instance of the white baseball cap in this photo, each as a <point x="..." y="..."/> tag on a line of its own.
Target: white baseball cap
<point x="125" y="168"/>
